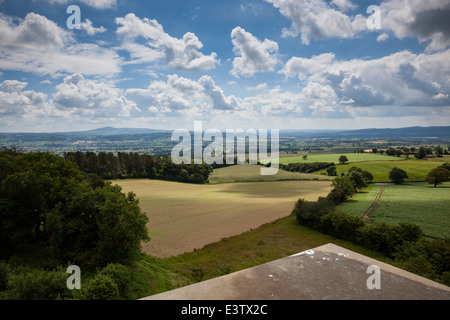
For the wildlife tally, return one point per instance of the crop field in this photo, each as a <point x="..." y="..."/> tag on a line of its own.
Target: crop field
<point x="416" y="169"/>
<point x="361" y="202"/>
<point x="418" y="203"/>
<point x="184" y="217"/>
<point x="334" y="157"/>
<point x="249" y="172"/>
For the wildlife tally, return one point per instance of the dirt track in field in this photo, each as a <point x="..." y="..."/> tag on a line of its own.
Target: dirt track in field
<point x="184" y="217"/>
<point x="375" y="203"/>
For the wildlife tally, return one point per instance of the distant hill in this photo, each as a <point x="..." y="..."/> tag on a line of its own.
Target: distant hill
<point x="408" y="132"/>
<point x="108" y="131"/>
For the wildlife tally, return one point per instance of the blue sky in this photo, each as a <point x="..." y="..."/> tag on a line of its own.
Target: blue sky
<point x="274" y="64"/>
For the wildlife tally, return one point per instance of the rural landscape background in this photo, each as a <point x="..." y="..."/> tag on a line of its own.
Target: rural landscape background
<point x="87" y="110"/>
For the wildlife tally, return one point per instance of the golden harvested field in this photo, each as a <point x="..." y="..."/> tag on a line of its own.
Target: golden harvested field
<point x="184" y="217"/>
<point x="251" y="172"/>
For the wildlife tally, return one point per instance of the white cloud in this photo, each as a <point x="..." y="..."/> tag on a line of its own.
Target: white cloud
<point x="83" y="97"/>
<point x="36" y="44"/>
<point x="180" y="54"/>
<point x="304" y="67"/>
<point x="90" y="29"/>
<point x="425" y="20"/>
<point x="382" y="37"/>
<point x="14" y="102"/>
<point x="317" y="19"/>
<point x="97" y="4"/>
<point x="179" y="96"/>
<point x="344" y="5"/>
<point x="252" y="55"/>
<point x="402" y="79"/>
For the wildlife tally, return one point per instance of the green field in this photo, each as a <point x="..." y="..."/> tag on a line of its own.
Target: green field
<point x="249" y="172"/>
<point x="361" y="202"/>
<point x="334" y="157"/>
<point x="418" y="203"/>
<point x="416" y="169"/>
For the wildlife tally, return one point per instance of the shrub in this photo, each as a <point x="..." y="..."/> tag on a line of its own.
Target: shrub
<point x="38" y="285"/>
<point x="119" y="273"/>
<point x="102" y="287"/>
<point x="309" y="212"/>
<point x="341" y="225"/>
<point x="420" y="265"/>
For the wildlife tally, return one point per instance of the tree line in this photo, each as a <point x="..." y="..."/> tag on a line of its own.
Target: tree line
<point x="124" y="165"/>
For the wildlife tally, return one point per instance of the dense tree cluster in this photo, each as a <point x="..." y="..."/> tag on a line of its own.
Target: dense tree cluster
<point x="49" y="207"/>
<point x="133" y="165"/>
<point x="306" y="167"/>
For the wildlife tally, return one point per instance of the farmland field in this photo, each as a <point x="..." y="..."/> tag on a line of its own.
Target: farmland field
<point x="334" y="157"/>
<point x="249" y="172"/>
<point x="416" y="169"/>
<point x="361" y="202"/>
<point x="418" y="203"/>
<point x="184" y="217"/>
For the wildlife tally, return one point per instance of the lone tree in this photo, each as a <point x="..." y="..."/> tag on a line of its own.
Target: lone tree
<point x="398" y="175"/>
<point x="437" y="176"/>
<point x="343" y="159"/>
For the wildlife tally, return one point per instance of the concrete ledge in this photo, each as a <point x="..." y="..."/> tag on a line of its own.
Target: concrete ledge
<point x="328" y="272"/>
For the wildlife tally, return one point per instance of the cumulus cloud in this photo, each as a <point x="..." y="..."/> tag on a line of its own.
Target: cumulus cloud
<point x="426" y="20"/>
<point x="179" y="96"/>
<point x="252" y="55"/>
<point x="16" y="102"/>
<point x="38" y="45"/>
<point x="402" y="79"/>
<point x="317" y="19"/>
<point x="180" y="54"/>
<point x="81" y="96"/>
<point x="304" y="67"/>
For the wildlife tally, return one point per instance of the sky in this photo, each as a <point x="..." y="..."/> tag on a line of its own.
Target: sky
<point x="260" y="64"/>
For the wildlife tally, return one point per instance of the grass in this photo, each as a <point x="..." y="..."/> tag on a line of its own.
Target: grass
<point x="416" y="169"/>
<point x="334" y="157"/>
<point x="184" y="217"/>
<point x="417" y="203"/>
<point x="249" y="172"/>
<point x="361" y="202"/>
<point x="269" y="242"/>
